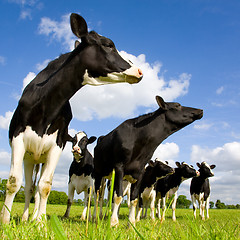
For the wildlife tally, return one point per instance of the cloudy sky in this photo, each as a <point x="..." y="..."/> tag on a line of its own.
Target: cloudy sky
<point x="188" y="52"/>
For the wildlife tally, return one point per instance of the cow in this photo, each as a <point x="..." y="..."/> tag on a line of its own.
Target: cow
<point x="80" y="171"/>
<point x="39" y="127"/>
<point x="169" y="185"/>
<point x="130" y="146"/>
<point x="200" y="189"/>
<point x="153" y="173"/>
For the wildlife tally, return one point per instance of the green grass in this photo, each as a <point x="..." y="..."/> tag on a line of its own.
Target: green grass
<point x="223" y="224"/>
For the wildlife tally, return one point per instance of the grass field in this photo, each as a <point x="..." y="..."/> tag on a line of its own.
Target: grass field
<point x="223" y="224"/>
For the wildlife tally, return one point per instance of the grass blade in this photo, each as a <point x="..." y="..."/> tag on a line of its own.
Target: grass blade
<point x="57" y="228"/>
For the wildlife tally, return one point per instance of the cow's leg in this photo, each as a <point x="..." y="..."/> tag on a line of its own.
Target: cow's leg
<point x="117" y="195"/>
<point x="203" y="208"/>
<point x="45" y="182"/>
<point x="15" y="177"/>
<point x="152" y="205"/>
<point x="158" y="200"/>
<point x="86" y="198"/>
<point x="101" y="196"/>
<point x="174" y="203"/>
<point x="29" y="188"/>
<point x="207" y="207"/>
<point x="163" y="208"/>
<point x="97" y="185"/>
<point x="134" y="199"/>
<point x="140" y="208"/>
<point x="71" y="190"/>
<point x="194" y="206"/>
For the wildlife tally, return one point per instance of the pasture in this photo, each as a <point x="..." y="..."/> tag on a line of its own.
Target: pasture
<point x="223" y="224"/>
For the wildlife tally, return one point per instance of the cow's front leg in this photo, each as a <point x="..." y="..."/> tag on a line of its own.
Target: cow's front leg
<point x="174" y="207"/>
<point x="86" y="198"/>
<point x="140" y="209"/>
<point x="45" y="182"/>
<point x="163" y="208"/>
<point x="71" y="190"/>
<point x="15" y="177"/>
<point x="152" y="205"/>
<point x="118" y="193"/>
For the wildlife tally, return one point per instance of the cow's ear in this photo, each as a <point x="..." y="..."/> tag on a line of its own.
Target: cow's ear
<point x="151" y="163"/>
<point x="161" y="103"/>
<point x="166" y="162"/>
<point x="78" y="25"/>
<point x="178" y="164"/>
<point x="91" y="139"/>
<point x="212" y="166"/>
<point x="198" y="164"/>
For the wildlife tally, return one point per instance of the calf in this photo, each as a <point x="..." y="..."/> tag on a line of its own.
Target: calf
<point x="80" y="172"/>
<point x="170" y="184"/>
<point x="154" y="171"/>
<point x="130" y="146"/>
<point x="39" y="127"/>
<point x="200" y="189"/>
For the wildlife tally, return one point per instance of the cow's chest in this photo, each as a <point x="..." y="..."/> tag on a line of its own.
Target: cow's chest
<point x="36" y="148"/>
<point x="81" y="183"/>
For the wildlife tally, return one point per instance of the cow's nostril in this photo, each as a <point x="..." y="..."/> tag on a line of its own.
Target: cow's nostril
<point x="140" y="72"/>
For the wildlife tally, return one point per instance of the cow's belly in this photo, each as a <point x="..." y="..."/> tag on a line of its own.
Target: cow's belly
<point x="36" y="147"/>
<point x="148" y="193"/>
<point x="81" y="183"/>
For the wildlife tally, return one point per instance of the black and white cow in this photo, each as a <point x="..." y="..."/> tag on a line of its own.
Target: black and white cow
<point x="130" y="146"/>
<point x="153" y="172"/>
<point x="80" y="172"/>
<point x="200" y="189"/>
<point x="39" y="127"/>
<point x="169" y="186"/>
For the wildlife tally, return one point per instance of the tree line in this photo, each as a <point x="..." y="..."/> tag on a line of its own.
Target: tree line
<point x="57" y="197"/>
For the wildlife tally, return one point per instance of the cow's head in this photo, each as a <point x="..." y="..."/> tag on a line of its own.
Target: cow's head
<point x="179" y="116"/>
<point x="205" y="170"/>
<point x="80" y="142"/>
<point x="160" y="169"/>
<point x="101" y="61"/>
<point x="187" y="171"/>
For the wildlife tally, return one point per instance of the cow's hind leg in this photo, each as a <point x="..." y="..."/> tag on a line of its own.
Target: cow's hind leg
<point x="15" y="177"/>
<point x="45" y="182"/>
<point x="29" y="188"/>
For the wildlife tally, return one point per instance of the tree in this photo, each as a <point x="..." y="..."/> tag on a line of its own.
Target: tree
<point x="183" y="202"/>
<point x="211" y="204"/>
<point x="56" y="197"/>
<point x="220" y="205"/>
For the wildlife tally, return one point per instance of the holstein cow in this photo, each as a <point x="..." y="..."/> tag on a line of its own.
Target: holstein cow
<point x="39" y="127"/>
<point x="169" y="186"/>
<point x="200" y="189"/>
<point x="153" y="172"/>
<point x="130" y="146"/>
<point x="80" y="172"/>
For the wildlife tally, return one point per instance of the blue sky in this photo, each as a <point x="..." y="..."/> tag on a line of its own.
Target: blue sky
<point x="188" y="51"/>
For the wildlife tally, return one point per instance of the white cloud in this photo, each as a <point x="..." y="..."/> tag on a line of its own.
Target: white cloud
<point x="202" y="126"/>
<point x="167" y="152"/>
<point x="122" y="101"/>
<point x="5" y="158"/>
<point x="41" y="66"/>
<point x="2" y="60"/>
<point x="227" y="171"/>
<point x="220" y="90"/>
<point x="28" y="79"/>
<point x="59" y="31"/>
<point x="5" y="120"/>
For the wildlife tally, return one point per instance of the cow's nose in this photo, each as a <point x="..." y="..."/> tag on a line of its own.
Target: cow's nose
<point x="76" y="149"/>
<point x="140" y="73"/>
<point x="198" y="173"/>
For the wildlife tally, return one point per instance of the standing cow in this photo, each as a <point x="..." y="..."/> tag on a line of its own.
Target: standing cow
<point x="200" y="189"/>
<point x="130" y="146"/>
<point x="39" y="127"/>
<point x="80" y="172"/>
<point x="153" y="172"/>
<point x="169" y="186"/>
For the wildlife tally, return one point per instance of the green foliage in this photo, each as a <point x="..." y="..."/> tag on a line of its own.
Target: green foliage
<point x="183" y="202"/>
<point x="56" y="197"/>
